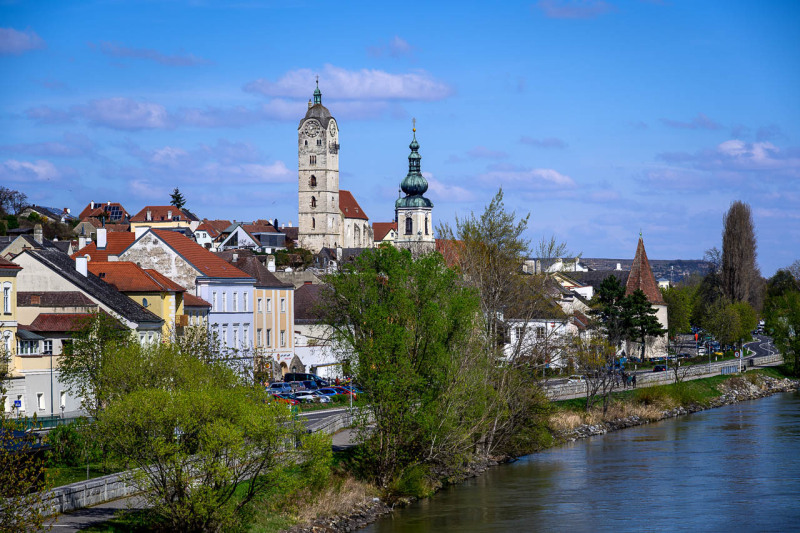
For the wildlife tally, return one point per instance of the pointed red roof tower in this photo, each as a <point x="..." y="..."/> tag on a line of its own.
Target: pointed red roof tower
<point x="641" y="277"/>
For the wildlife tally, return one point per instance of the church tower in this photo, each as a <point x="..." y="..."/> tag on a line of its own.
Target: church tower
<point x="414" y="211"/>
<point x="319" y="224"/>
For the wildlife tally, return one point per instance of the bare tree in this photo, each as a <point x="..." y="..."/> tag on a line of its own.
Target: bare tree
<point x="714" y="256"/>
<point x="739" y="271"/>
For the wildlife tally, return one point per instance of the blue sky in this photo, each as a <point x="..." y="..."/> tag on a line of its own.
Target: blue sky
<point x="600" y="118"/>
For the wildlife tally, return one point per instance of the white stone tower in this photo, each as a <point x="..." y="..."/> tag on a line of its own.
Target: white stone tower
<point x="318" y="170"/>
<point x="414" y="212"/>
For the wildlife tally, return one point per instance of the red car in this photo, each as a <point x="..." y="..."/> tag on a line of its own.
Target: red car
<point x="285" y="399"/>
<point x="345" y="392"/>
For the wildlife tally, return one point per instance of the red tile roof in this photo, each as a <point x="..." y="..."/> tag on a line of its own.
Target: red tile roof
<point x="159" y="213"/>
<point x="381" y="229"/>
<point x="190" y="300"/>
<point x="349" y="207"/>
<point x="217" y="225"/>
<point x="259" y="228"/>
<point x="130" y="277"/>
<point x="99" y="209"/>
<point x="5" y="264"/>
<point x="116" y="242"/>
<point x="208" y="228"/>
<point x="201" y="259"/>
<point x="641" y="277"/>
<point x="58" y="322"/>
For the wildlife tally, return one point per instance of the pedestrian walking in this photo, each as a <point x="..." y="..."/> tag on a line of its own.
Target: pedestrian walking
<point x="634" y="381"/>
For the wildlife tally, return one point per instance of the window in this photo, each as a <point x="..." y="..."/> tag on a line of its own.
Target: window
<point x="40" y="401"/>
<point x="312" y="182"/>
<point x="313" y="201"/>
<point x="283" y="337"/>
<point x="426" y="225"/>
<point x="224" y="335"/>
<point x="47" y="346"/>
<point x="305" y="143"/>
<point x="540" y="331"/>
<point x="28" y="347"/>
<point x="283" y="305"/>
<point x="7" y="299"/>
<point x="518" y="331"/>
<point x="269" y="337"/>
<point x="224" y="302"/>
<point x="259" y="333"/>
<point x="214" y="301"/>
<point x="244" y="301"/>
<point x="269" y="305"/>
<point x="235" y="301"/>
<point x="62" y="399"/>
<point x="313" y="223"/>
<point x="246" y="335"/>
<point x="259" y="305"/>
<point x="236" y="335"/>
<point x="144" y="303"/>
<point x="408" y="226"/>
<point x="312" y="159"/>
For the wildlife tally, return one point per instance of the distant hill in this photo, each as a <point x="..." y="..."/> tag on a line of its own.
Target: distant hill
<point x="680" y="268"/>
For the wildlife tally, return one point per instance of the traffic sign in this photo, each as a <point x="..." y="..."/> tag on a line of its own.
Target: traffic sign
<point x="737" y="353"/>
<point x="17" y="404"/>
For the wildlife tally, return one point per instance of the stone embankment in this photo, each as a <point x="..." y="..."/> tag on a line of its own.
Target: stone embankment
<point x="735" y="390"/>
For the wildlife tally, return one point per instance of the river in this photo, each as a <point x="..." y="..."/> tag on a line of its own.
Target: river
<point x="736" y="468"/>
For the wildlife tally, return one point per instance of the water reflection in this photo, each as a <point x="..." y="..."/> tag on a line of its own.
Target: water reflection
<point x="729" y="469"/>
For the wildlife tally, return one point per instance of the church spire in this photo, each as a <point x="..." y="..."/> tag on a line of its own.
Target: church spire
<point x="317" y="94"/>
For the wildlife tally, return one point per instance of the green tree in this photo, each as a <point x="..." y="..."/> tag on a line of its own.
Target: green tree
<point x="782" y="317"/>
<point x="740" y="274"/>
<point x="177" y="199"/>
<point x="678" y="309"/>
<point x="402" y="327"/>
<point x="490" y="250"/>
<point x="81" y="368"/>
<point x="723" y="322"/>
<point x="748" y="321"/>
<point x="640" y="321"/>
<point x="204" y="445"/>
<point x="608" y="310"/>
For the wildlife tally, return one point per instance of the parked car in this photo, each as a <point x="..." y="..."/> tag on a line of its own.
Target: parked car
<point x="660" y="368"/>
<point x="310" y="384"/>
<point x="305" y="396"/>
<point x="684" y="355"/>
<point x="320" y="397"/>
<point x="327" y="391"/>
<point x="277" y="388"/>
<point x="345" y="392"/>
<point x="297" y="376"/>
<point x="284" y="398"/>
<point x="576" y="379"/>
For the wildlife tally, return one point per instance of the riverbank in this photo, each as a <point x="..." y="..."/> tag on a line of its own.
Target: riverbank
<point x="568" y="423"/>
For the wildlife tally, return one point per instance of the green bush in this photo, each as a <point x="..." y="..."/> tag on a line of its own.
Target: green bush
<point x="413" y="481"/>
<point x="73" y="445"/>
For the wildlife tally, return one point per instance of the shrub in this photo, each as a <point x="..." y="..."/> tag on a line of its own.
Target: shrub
<point x="73" y="445"/>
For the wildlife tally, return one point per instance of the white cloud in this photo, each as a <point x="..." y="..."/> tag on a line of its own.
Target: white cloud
<point x="27" y="171"/>
<point x="364" y="84"/>
<point x="447" y="192"/>
<point x="125" y="114"/>
<point x="13" y="42"/>
<point x="530" y="179"/>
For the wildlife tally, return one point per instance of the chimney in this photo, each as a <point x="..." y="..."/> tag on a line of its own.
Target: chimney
<point x="139" y="231"/>
<point x="91" y="205"/>
<point x="81" y="242"/>
<point x="108" y="203"/>
<point x="235" y="257"/>
<point x="290" y="223"/>
<point x="82" y="265"/>
<point x="619" y="266"/>
<point x="271" y="263"/>
<point x="149" y="215"/>
<point x="275" y="225"/>
<point x="169" y="214"/>
<point x="307" y="283"/>
<point x="309" y="103"/>
<point x="36" y="299"/>
<point x="102" y="238"/>
<point x="37" y="233"/>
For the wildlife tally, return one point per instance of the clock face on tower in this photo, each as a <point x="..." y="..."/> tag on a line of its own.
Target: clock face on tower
<point x="312" y="129"/>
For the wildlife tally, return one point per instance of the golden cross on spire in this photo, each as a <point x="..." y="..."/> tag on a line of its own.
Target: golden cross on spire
<point x="317" y="76"/>
<point x="414" y="125"/>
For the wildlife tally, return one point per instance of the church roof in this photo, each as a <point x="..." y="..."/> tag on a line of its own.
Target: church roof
<point x="414" y="184"/>
<point x="641" y="277"/>
<point x="349" y="206"/>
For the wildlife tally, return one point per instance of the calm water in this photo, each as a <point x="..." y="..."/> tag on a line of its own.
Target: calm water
<point x="733" y="469"/>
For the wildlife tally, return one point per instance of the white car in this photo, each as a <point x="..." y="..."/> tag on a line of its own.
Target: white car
<point x="319" y="397"/>
<point x="576" y="379"/>
<point x="305" y="397"/>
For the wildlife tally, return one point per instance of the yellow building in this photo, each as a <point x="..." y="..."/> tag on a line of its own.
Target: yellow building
<point x="150" y="289"/>
<point x="164" y="217"/>
<point x="8" y="313"/>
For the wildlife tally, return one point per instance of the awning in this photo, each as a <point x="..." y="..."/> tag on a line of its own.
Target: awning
<point x="26" y="335"/>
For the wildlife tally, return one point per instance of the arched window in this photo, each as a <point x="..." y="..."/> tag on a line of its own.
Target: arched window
<point x="426" y="225"/>
<point x="313" y="201"/>
<point x="313" y="222"/>
<point x="312" y="182"/>
<point x="408" y="225"/>
<point x="306" y="143"/>
<point x="312" y="159"/>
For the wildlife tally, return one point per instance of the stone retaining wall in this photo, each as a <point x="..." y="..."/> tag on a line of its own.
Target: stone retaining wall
<point x="86" y="493"/>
